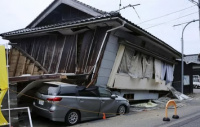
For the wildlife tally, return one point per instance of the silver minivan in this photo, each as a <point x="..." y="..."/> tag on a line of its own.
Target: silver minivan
<point x="71" y="104"/>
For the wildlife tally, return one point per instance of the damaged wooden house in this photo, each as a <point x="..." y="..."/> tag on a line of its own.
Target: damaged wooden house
<point x="79" y="44"/>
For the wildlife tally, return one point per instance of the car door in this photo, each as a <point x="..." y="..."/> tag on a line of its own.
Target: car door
<point x="109" y="106"/>
<point x="89" y="104"/>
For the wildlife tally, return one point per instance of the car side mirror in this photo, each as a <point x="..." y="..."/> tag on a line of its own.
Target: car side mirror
<point x="113" y="96"/>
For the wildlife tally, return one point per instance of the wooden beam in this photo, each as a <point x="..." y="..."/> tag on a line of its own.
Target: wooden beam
<point x="32" y="59"/>
<point x="116" y="65"/>
<point x="32" y="78"/>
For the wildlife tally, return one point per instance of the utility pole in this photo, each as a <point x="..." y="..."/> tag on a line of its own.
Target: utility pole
<point x="199" y="15"/>
<point x="182" y="52"/>
<point x="120" y="4"/>
<point x="198" y="5"/>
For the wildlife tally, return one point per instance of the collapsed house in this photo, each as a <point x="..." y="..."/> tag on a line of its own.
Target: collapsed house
<point x="87" y="46"/>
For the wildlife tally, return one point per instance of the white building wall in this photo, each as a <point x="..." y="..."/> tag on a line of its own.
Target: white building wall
<point x="108" y="61"/>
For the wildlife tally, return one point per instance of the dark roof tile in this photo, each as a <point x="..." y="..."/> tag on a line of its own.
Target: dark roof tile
<point x="95" y="9"/>
<point x="35" y="29"/>
<point x="65" y="24"/>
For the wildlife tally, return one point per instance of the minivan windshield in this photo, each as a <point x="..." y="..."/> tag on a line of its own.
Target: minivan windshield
<point x="49" y="89"/>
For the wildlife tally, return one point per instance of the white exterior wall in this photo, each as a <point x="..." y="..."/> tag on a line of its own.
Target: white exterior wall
<point x="107" y="61"/>
<point x="124" y="81"/>
<point x="108" y="76"/>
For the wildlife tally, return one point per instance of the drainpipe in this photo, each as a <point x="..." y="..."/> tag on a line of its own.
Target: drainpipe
<point x="100" y="51"/>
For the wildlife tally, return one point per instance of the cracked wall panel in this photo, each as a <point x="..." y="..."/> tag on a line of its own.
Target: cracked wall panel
<point x="84" y="51"/>
<point x="98" y="39"/>
<point x="49" y="50"/>
<point x="67" y="61"/>
<point x="56" y="53"/>
<point x="41" y="51"/>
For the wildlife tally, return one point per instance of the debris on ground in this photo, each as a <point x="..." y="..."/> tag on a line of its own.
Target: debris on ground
<point x="178" y="95"/>
<point x="163" y="100"/>
<point x="160" y="103"/>
<point x="145" y="105"/>
<point x="156" y="104"/>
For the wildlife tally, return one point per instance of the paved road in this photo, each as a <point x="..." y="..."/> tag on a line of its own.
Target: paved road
<point x="189" y="117"/>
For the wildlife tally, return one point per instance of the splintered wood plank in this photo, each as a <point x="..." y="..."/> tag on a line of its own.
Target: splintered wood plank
<point x="41" y="72"/>
<point x="12" y="67"/>
<point x="14" y="56"/>
<point x="26" y="66"/>
<point x="35" y="73"/>
<point x="35" y="69"/>
<point x="22" y="59"/>
<point x="28" y="61"/>
<point x="15" y="52"/>
<point x="30" y="68"/>
<point x="20" y="65"/>
<point x="11" y="73"/>
<point x="14" y="59"/>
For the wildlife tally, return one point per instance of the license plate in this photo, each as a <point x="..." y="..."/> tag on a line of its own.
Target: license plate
<point x="41" y="102"/>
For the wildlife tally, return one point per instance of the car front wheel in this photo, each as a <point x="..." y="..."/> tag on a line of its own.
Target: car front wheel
<point x="121" y="110"/>
<point x="72" y="117"/>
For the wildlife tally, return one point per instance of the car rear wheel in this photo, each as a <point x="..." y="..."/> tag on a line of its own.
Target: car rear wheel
<point x="121" y="110"/>
<point x="72" y="117"/>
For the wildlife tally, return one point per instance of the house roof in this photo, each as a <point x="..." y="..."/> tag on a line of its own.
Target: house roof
<point x="194" y="58"/>
<point x="57" y="26"/>
<point x="101" y="18"/>
<point x="74" y="3"/>
<point x="95" y="9"/>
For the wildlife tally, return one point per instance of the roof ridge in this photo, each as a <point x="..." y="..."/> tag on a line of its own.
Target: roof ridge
<point x="86" y="20"/>
<point x="24" y="30"/>
<point x="98" y="10"/>
<point x="61" y="1"/>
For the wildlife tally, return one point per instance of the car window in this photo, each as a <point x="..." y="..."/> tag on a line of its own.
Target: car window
<point x="67" y="91"/>
<point x="49" y="89"/>
<point x="88" y="93"/>
<point x="104" y="92"/>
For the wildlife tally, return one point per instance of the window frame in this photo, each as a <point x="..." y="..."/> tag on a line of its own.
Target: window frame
<point x="105" y="90"/>
<point x="91" y="91"/>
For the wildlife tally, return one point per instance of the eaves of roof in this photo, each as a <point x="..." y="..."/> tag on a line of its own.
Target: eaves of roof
<point x="58" y="25"/>
<point x="105" y="17"/>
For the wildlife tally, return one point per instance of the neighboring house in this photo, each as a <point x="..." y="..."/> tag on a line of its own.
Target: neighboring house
<point x="191" y="73"/>
<point x="88" y="46"/>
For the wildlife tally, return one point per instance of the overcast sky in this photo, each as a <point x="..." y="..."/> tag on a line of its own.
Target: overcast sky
<point x="17" y="14"/>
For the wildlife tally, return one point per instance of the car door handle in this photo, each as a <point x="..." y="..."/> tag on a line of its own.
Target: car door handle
<point x="102" y="101"/>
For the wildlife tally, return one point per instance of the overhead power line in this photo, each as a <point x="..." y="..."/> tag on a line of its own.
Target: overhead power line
<point x="171" y="20"/>
<point x="166" y="15"/>
<point x="194" y="2"/>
